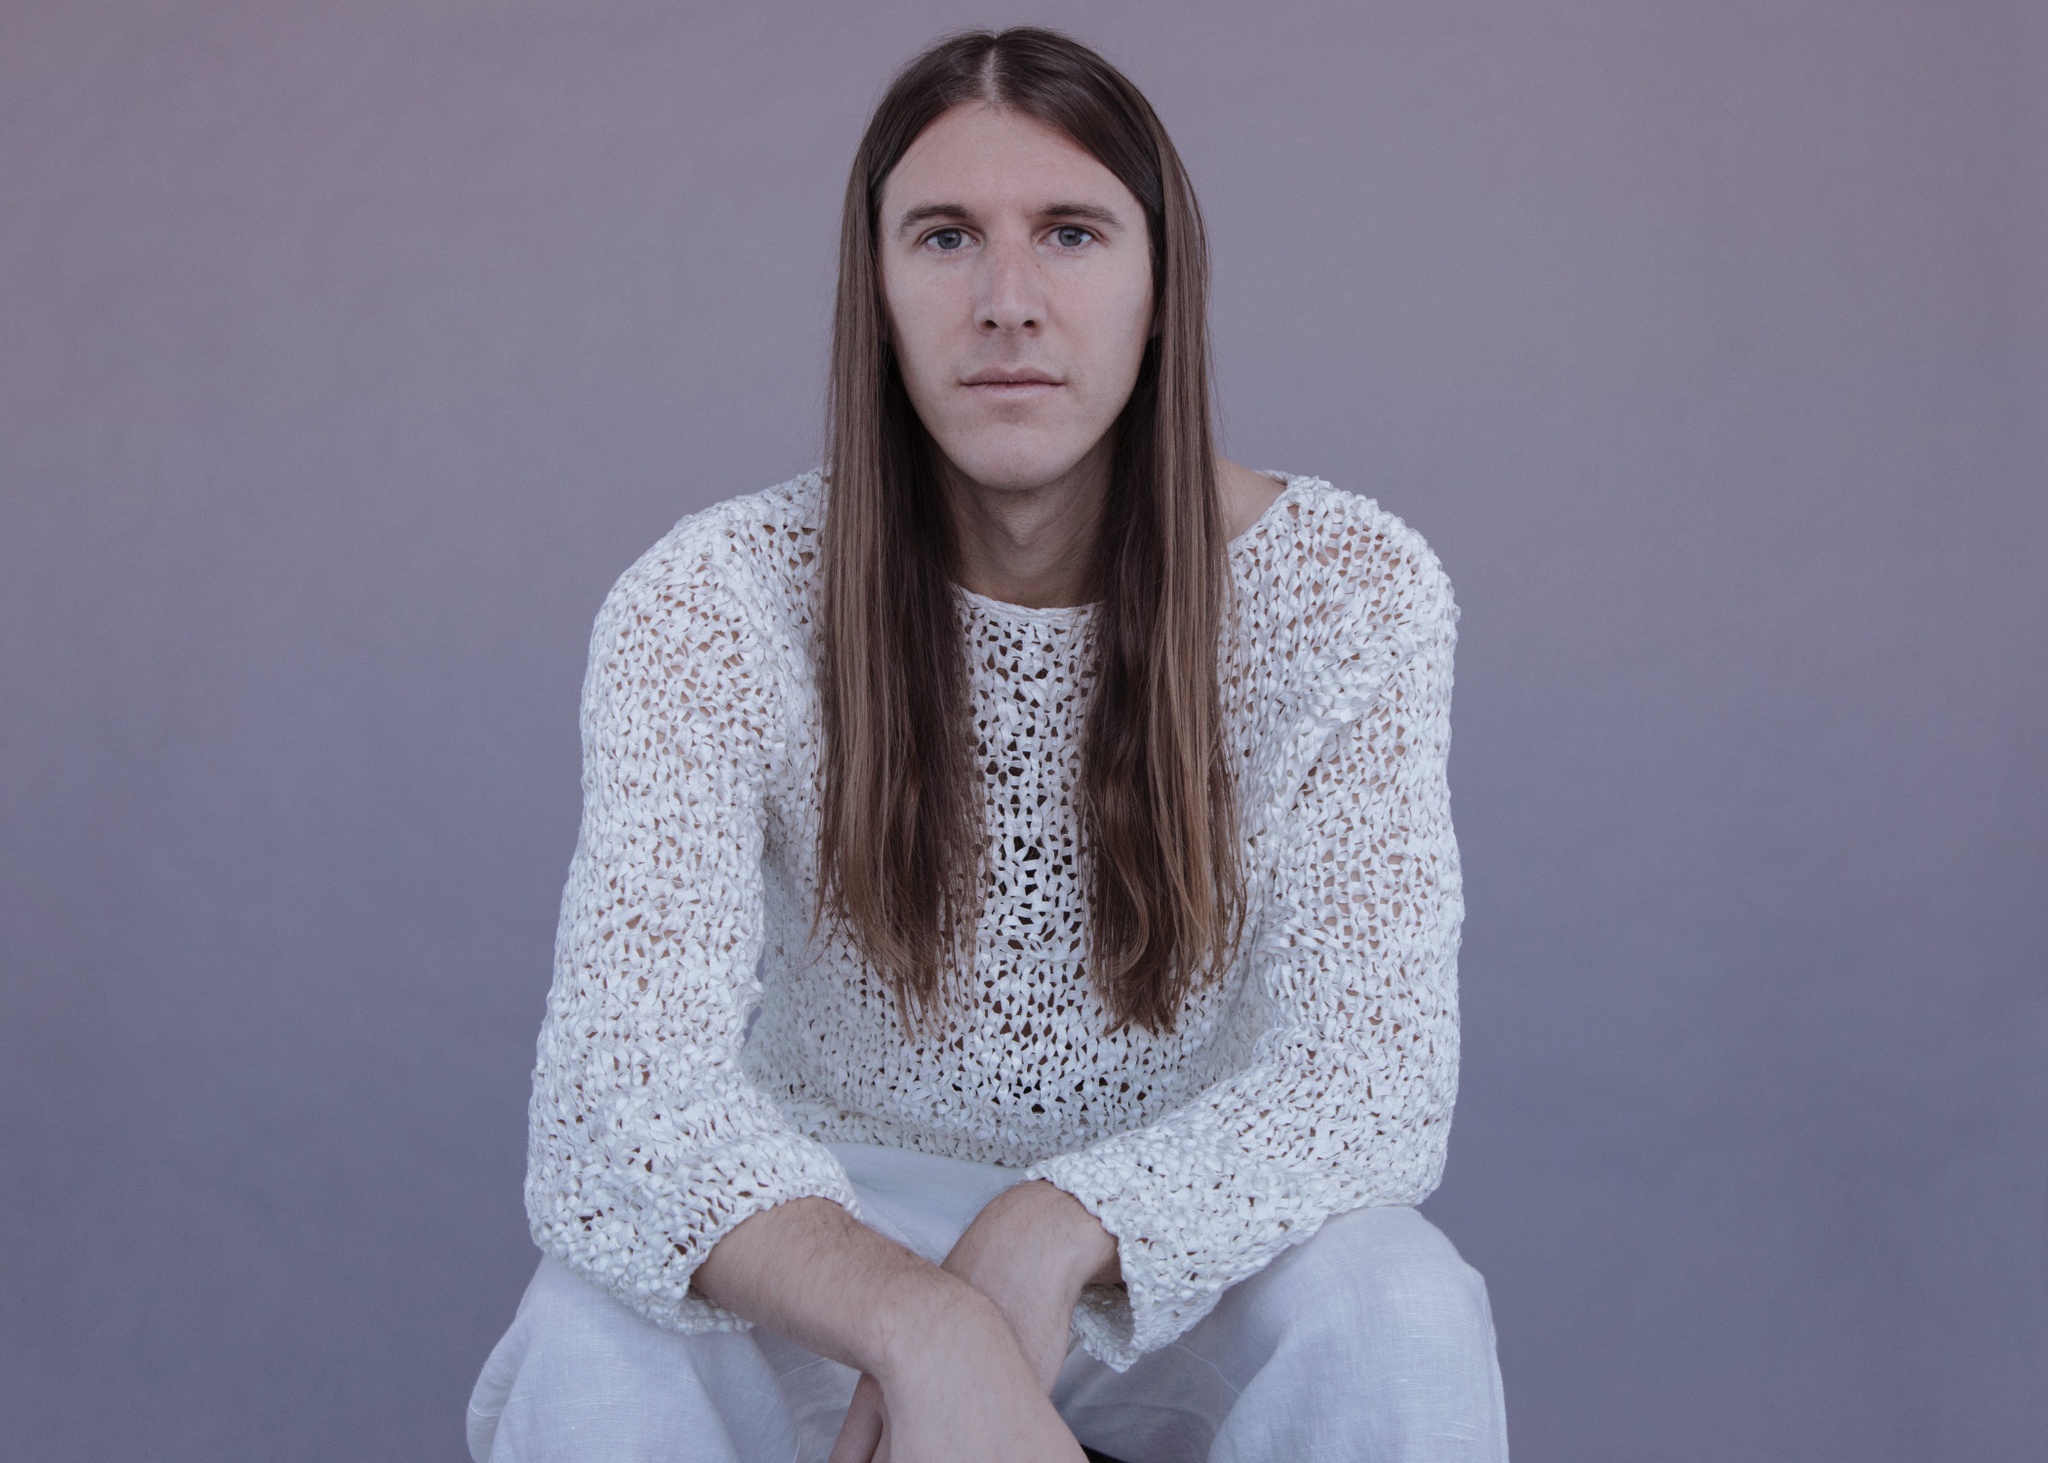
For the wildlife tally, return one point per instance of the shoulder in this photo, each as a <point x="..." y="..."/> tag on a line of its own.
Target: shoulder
<point x="1337" y="568"/>
<point x="716" y="586"/>
<point x="728" y="556"/>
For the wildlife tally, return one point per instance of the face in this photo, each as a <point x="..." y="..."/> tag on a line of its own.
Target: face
<point x="1017" y="272"/>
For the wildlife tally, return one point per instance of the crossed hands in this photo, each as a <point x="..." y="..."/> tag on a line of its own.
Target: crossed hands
<point x="976" y="1389"/>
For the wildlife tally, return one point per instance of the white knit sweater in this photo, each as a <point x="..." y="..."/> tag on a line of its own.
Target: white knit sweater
<point x="698" y="1053"/>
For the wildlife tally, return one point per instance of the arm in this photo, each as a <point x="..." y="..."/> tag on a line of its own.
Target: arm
<point x="656" y="1169"/>
<point x="647" y="1142"/>
<point x="945" y="1378"/>
<point x="1032" y="1251"/>
<point x="1024" y="1260"/>
<point x="1346" y="1101"/>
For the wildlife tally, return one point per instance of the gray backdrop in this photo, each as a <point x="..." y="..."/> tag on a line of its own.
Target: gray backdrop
<point x="349" y="351"/>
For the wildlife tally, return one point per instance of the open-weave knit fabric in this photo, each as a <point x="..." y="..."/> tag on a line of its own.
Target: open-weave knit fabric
<point x="702" y="1043"/>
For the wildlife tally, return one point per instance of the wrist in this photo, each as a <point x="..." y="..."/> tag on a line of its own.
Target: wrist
<point x="1086" y="1252"/>
<point x="1036" y="1234"/>
<point x="938" y="1316"/>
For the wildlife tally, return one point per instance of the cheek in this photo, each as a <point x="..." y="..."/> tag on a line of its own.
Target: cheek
<point x="899" y="309"/>
<point x="916" y="330"/>
<point x="1130" y="308"/>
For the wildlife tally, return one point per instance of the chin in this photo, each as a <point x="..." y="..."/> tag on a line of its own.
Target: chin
<point x="1016" y="467"/>
<point x="1013" y="479"/>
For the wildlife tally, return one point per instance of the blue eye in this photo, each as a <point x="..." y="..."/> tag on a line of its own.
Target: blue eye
<point x="948" y="240"/>
<point x="1073" y="236"/>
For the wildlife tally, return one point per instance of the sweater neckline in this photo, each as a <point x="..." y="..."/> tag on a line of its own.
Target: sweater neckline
<point x="1063" y="616"/>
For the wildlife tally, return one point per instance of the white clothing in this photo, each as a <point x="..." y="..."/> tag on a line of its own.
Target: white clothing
<point x="700" y="1053"/>
<point x="1369" y="1343"/>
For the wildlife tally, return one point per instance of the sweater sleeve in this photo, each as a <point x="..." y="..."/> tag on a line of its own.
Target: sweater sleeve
<point x="1346" y="1099"/>
<point x="647" y="1144"/>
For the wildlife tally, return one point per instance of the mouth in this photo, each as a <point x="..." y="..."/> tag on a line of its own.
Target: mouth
<point x="1011" y="383"/>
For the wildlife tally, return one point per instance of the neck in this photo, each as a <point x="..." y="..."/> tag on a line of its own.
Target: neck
<point x="1030" y="546"/>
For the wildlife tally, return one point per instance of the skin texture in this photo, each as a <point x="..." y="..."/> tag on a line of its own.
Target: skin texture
<point x="944" y="1373"/>
<point x="1017" y="274"/>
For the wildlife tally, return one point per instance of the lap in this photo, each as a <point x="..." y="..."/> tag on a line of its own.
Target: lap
<point x="1377" y="1275"/>
<point x="580" y="1378"/>
<point x="1369" y="1340"/>
<point x="1372" y="1339"/>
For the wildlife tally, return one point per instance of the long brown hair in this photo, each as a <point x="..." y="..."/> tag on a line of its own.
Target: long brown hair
<point x="900" y="835"/>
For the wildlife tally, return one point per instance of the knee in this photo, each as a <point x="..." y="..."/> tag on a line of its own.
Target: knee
<point x="580" y="1375"/>
<point x="563" y="1309"/>
<point x="1370" y="1340"/>
<point x="1384" y="1273"/>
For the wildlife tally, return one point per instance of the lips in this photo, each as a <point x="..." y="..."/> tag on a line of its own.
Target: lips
<point x="1006" y="381"/>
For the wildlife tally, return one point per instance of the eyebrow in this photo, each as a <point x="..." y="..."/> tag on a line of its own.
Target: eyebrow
<point x="1087" y="212"/>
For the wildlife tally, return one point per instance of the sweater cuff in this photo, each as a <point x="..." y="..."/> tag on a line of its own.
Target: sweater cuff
<point x="1165" y="1289"/>
<point x="648" y="1266"/>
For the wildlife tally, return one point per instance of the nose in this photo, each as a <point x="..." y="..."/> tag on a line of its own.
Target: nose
<point x="1009" y="291"/>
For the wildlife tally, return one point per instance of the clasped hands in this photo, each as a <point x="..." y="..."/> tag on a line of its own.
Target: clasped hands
<point x="970" y="1372"/>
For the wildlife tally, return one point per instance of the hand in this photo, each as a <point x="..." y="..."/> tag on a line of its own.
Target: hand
<point x="862" y="1436"/>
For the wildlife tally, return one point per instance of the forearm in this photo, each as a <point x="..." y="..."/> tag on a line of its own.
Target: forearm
<point x="1039" y="1232"/>
<point x="809" y="1271"/>
<point x="941" y="1362"/>
<point x="1031" y="1251"/>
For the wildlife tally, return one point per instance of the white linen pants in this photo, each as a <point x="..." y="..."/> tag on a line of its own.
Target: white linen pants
<point x="1371" y="1342"/>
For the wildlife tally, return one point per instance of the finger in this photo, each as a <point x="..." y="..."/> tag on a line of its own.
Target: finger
<point x="861" y="1434"/>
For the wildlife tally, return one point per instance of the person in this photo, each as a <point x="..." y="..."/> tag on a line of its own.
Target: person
<point x="1005" y="992"/>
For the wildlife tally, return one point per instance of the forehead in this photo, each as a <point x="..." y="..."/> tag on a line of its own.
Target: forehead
<point x="983" y="156"/>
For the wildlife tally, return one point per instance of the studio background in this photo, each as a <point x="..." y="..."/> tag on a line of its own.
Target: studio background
<point x="348" y="352"/>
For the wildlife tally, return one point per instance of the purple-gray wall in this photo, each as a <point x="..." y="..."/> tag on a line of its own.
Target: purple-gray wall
<point x="349" y="351"/>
